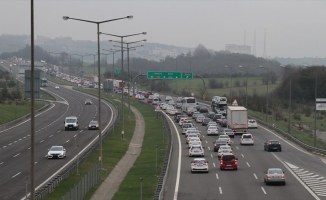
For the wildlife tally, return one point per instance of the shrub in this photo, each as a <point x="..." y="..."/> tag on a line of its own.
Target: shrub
<point x="307" y="111"/>
<point x="297" y="116"/>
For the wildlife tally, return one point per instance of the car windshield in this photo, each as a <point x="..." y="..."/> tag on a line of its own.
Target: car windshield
<point x="227" y="130"/>
<point x="275" y="171"/>
<point x="70" y="120"/>
<point x="56" y="149"/>
<point x="228" y="157"/>
<point x="274" y="142"/>
<point x="93" y="122"/>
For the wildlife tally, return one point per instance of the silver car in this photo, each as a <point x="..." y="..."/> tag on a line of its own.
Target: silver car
<point x="199" y="118"/>
<point x="56" y="152"/>
<point x="223" y="150"/>
<point x="191" y="135"/>
<point x="194" y="141"/>
<point x="226" y="137"/>
<point x="212" y="130"/>
<point x="274" y="175"/>
<point x="199" y="164"/>
<point x="196" y="150"/>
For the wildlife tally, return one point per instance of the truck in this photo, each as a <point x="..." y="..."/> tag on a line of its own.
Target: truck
<point x="237" y="119"/>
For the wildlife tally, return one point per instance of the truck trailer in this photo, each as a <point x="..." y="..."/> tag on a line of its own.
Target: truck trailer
<point x="237" y="119"/>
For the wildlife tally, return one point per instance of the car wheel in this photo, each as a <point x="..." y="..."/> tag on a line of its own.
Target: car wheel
<point x="221" y="169"/>
<point x="280" y="149"/>
<point x="284" y="183"/>
<point x="192" y="171"/>
<point x="252" y="144"/>
<point x="268" y="150"/>
<point x="266" y="183"/>
<point x="235" y="168"/>
<point x="241" y="144"/>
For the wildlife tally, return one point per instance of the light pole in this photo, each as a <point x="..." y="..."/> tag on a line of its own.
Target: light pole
<point x="315" y="132"/>
<point x="246" y="84"/>
<point x="122" y="103"/>
<point x="128" y="49"/>
<point x="267" y="91"/>
<point x="99" y="77"/>
<point x="156" y="160"/>
<point x="112" y="73"/>
<point x="231" y="81"/>
<point x="290" y="99"/>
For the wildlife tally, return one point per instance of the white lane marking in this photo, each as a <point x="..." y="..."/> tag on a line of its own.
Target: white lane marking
<point x="263" y="190"/>
<point x="212" y="155"/>
<point x="214" y="164"/>
<point x="1" y="163"/>
<point x="216" y="176"/>
<point x="20" y="139"/>
<point x="209" y="148"/>
<point x="58" y="131"/>
<point x="41" y="141"/>
<point x="248" y="164"/>
<point x="300" y="181"/>
<point x="206" y="141"/>
<point x="81" y="131"/>
<point x="16" y="155"/>
<point x="10" y="144"/>
<point x="35" y="162"/>
<point x="67" y="141"/>
<point x="237" y="147"/>
<point x="29" y="148"/>
<point x="15" y="175"/>
<point x="291" y="166"/>
<point x="242" y="155"/>
<point x="203" y="136"/>
<point x="50" y="135"/>
<point x="4" y="147"/>
<point x="255" y="176"/>
<point x="220" y="190"/>
<point x="75" y="135"/>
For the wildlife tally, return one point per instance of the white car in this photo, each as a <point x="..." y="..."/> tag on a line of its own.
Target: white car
<point x="196" y="150"/>
<point x="212" y="130"/>
<point x="226" y="137"/>
<point x="168" y="98"/>
<point x="194" y="141"/>
<point x="252" y="123"/>
<point x="247" y="139"/>
<point x="199" y="164"/>
<point x="56" y="152"/>
<point x="56" y="87"/>
<point x="224" y="149"/>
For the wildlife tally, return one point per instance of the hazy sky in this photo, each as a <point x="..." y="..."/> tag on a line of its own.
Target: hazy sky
<point x="293" y="28"/>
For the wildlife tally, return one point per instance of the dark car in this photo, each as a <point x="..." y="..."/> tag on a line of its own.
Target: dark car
<point x="224" y="122"/>
<point x="228" y="132"/>
<point x="217" y="117"/>
<point x="218" y="143"/>
<point x="205" y="121"/>
<point x="203" y="109"/>
<point x="211" y="115"/>
<point x="198" y="107"/>
<point x="176" y="115"/>
<point x="272" y="145"/>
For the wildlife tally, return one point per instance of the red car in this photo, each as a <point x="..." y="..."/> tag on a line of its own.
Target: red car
<point x="150" y="101"/>
<point x="228" y="161"/>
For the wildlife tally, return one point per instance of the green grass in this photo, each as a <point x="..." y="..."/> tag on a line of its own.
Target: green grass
<point x="114" y="148"/>
<point x="60" y="81"/>
<point x="11" y="112"/>
<point x="46" y="96"/>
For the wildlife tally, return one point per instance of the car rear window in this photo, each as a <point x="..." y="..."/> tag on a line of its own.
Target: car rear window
<point x="228" y="157"/>
<point x="275" y="171"/>
<point x="274" y="142"/>
<point x="247" y="136"/>
<point x="252" y="121"/>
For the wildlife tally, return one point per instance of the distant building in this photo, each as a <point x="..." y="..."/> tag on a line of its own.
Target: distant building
<point x="233" y="48"/>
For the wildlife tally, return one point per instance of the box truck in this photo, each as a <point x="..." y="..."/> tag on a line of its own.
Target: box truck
<point x="237" y="119"/>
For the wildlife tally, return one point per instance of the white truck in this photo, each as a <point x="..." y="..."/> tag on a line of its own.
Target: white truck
<point x="237" y="119"/>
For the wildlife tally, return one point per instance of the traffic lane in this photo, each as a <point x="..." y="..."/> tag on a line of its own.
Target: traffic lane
<point x="172" y="173"/>
<point x="290" y="152"/>
<point x="259" y="161"/>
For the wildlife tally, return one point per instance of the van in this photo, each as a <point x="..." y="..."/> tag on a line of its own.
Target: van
<point x="71" y="123"/>
<point x="155" y="101"/>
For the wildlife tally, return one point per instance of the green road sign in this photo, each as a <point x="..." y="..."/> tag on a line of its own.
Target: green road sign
<point x="169" y="75"/>
<point x="118" y="71"/>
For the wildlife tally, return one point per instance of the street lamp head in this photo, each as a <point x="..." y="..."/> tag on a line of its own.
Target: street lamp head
<point x="145" y="40"/>
<point x="65" y="17"/>
<point x="130" y="17"/>
<point x="144" y="33"/>
<point x="110" y="40"/>
<point x="226" y="66"/>
<point x="240" y="66"/>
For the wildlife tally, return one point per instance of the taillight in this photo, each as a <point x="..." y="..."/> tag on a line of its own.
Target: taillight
<point x="193" y="164"/>
<point x="282" y="176"/>
<point x="205" y="163"/>
<point x="219" y="151"/>
<point x="268" y="176"/>
<point x="279" y="142"/>
<point x="230" y="151"/>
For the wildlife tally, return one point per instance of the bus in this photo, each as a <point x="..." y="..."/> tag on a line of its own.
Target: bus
<point x="44" y="82"/>
<point x="188" y="102"/>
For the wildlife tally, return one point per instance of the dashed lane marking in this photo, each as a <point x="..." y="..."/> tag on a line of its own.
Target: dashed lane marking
<point x="220" y="190"/>
<point x="255" y="176"/>
<point x="263" y="190"/>
<point x="16" y="155"/>
<point x="217" y="176"/>
<point x="1" y="163"/>
<point x="242" y="155"/>
<point x="41" y="141"/>
<point x="50" y="135"/>
<point x="15" y="175"/>
<point x="212" y="155"/>
<point x="248" y="164"/>
<point x="209" y="148"/>
<point x="237" y="147"/>
<point x="214" y="164"/>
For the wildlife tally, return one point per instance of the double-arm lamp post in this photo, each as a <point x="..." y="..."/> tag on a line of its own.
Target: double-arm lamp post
<point x="122" y="103"/>
<point x="113" y="71"/>
<point x="99" y="73"/>
<point x="290" y="98"/>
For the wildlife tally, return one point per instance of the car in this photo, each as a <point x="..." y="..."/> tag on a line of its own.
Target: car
<point x="225" y="137"/>
<point x="190" y="136"/>
<point x="224" y="122"/>
<point x="221" y="111"/>
<point x="181" y="120"/>
<point x="88" y="102"/>
<point x="93" y="125"/>
<point x="155" y="101"/>
<point x="188" y="130"/>
<point x="178" y="105"/>
<point x="228" y="161"/>
<point x="272" y="145"/>
<point x="190" y="111"/>
<point x="196" y="150"/>
<point x="211" y="123"/>
<point x="215" y="99"/>
<point x="194" y="141"/>
<point x="274" y="175"/>
<point x="56" y="152"/>
<point x="252" y="123"/>
<point x="185" y="127"/>
<point x="149" y="100"/>
<point x="56" y="87"/>
<point x="168" y="98"/>
<point x="224" y="149"/>
<point x="203" y="109"/>
<point x="218" y="143"/>
<point x="228" y="132"/>
<point x="247" y="138"/>
<point x="199" y="165"/>
<point x="179" y="99"/>
<point x="173" y="111"/>
<point x="205" y="121"/>
<point x="71" y="123"/>
<point x="217" y="117"/>
<point x="177" y="119"/>
<point x="199" y="118"/>
<point x="211" y="114"/>
<point x="171" y="102"/>
<point x="194" y="114"/>
<point x="212" y="130"/>
<point x="197" y="132"/>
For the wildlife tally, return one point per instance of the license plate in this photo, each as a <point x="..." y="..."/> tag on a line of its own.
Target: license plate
<point x="228" y="165"/>
<point x="199" y="165"/>
<point x="275" y="148"/>
<point x="196" y="151"/>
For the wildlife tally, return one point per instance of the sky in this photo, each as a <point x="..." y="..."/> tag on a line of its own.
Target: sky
<point x="293" y="28"/>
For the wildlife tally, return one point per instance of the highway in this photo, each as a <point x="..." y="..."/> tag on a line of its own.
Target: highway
<point x="305" y="172"/>
<point x="49" y="127"/>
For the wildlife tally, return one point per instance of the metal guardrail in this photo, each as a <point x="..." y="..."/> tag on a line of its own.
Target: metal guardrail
<point x="285" y="134"/>
<point x="65" y="173"/>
